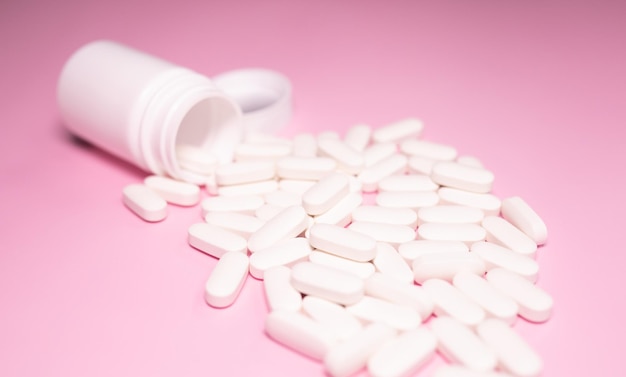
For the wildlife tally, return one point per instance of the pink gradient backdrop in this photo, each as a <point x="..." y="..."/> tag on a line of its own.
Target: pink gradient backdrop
<point x="535" y="89"/>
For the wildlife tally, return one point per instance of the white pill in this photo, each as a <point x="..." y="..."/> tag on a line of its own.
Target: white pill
<point x="407" y="182"/>
<point x="470" y="161"/>
<point x="246" y="204"/>
<point x="355" y="184"/>
<point x="325" y="193"/>
<point x="289" y="223"/>
<point x="211" y="185"/>
<point x="239" y="223"/>
<point x="461" y="345"/>
<point x="452" y="214"/>
<point x="459" y="371"/>
<point x="378" y="152"/>
<point x="304" y="145"/>
<point x="362" y="270"/>
<point x="514" y="354"/>
<point x="268" y="151"/>
<point x="341" y="214"/>
<point x="268" y="211"/>
<point x="468" y="233"/>
<point x="226" y="279"/>
<point x="495" y="303"/>
<point x="421" y="165"/>
<point x="253" y="188"/>
<point x="295" y="185"/>
<point x="535" y="304"/>
<point x="327" y="282"/>
<point x="505" y="234"/>
<point x="348" y="357"/>
<point x="196" y="159"/>
<point x="358" y="136"/>
<point x="390" y="262"/>
<point x="348" y="159"/>
<point x="397" y="131"/>
<point x="308" y="168"/>
<point x="244" y="172"/>
<point x="412" y="250"/>
<point x="300" y="333"/>
<point x="214" y="240"/>
<point x="388" y="288"/>
<point x="253" y="136"/>
<point x="407" y="199"/>
<point x="489" y="203"/>
<point x="516" y="211"/>
<point x="463" y="177"/>
<point x="495" y="255"/>
<point x="452" y="302"/>
<point x="342" y="242"/>
<point x="371" y="309"/>
<point x="445" y="265"/>
<point x="173" y="191"/>
<point x="403" y="355"/>
<point x="383" y="232"/>
<point x="279" y="293"/>
<point x="396" y="216"/>
<point x="144" y="202"/>
<point x="371" y="176"/>
<point x="284" y="253"/>
<point x="428" y="149"/>
<point x="283" y="198"/>
<point x="332" y="316"/>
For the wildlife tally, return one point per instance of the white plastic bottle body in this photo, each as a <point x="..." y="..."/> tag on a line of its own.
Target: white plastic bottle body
<point x="139" y="108"/>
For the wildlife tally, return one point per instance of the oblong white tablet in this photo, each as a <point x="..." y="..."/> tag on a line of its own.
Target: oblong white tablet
<point x="397" y="131"/>
<point x="304" y="145"/>
<point x="370" y="176"/>
<point x="514" y="354"/>
<point x="325" y="193"/>
<point x="247" y="204"/>
<point x="450" y="301"/>
<point x="289" y="223"/>
<point x="295" y="185"/>
<point x="407" y="199"/>
<point x="371" y="309"/>
<point x="495" y="303"/>
<point x="468" y="233"/>
<point x="196" y="159"/>
<point x="407" y="182"/>
<point x="459" y="371"/>
<point x="358" y="136"/>
<point x="341" y="214"/>
<point x="428" y="149"/>
<point x="445" y="265"/>
<point x="144" y="202"/>
<point x="309" y="168"/>
<point x="348" y="159"/>
<point x="226" y="279"/>
<point x="390" y="262"/>
<point x="451" y="214"/>
<point x="333" y="316"/>
<point x="403" y="355"/>
<point x="516" y="211"/>
<point x="266" y="151"/>
<point x="239" y="223"/>
<point x="326" y="282"/>
<point x="421" y="165"/>
<point x="268" y="211"/>
<point x="489" y="203"/>
<point x="505" y="234"/>
<point x="463" y="177"/>
<point x="283" y="198"/>
<point x="173" y="191"/>
<point x="378" y="152"/>
<point x="384" y="232"/>
<point x="346" y="358"/>
<point x="495" y="255"/>
<point x="342" y="242"/>
<point x="360" y="269"/>
<point x="396" y="216"/>
<point x="387" y="288"/>
<point x="414" y="249"/>
<point x="535" y="304"/>
<point x="244" y="172"/>
<point x="279" y="293"/>
<point x="214" y="240"/>
<point x="253" y="188"/>
<point x="460" y="344"/>
<point x="300" y="333"/>
<point x="287" y="252"/>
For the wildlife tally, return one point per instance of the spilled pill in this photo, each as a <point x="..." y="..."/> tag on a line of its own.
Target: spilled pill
<point x="144" y="202"/>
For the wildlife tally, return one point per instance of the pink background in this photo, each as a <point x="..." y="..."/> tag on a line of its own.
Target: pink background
<point x="535" y="89"/>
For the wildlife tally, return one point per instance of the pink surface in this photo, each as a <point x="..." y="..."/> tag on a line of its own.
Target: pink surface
<point x="535" y="89"/>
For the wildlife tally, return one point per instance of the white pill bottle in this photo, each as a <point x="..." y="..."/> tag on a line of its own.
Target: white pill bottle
<point x="140" y="108"/>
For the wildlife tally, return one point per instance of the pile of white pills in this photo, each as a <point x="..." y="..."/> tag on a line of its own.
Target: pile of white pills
<point x="428" y="261"/>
